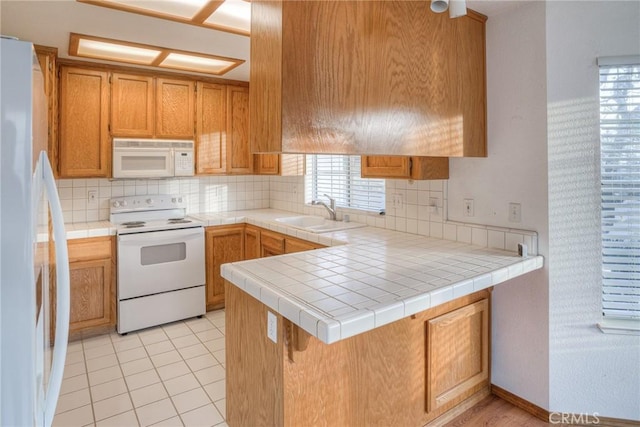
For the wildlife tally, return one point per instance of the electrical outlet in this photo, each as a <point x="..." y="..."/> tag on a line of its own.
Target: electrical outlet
<point x="515" y="212"/>
<point x="397" y="201"/>
<point x="92" y="197"/>
<point x="272" y="327"/>
<point x="468" y="207"/>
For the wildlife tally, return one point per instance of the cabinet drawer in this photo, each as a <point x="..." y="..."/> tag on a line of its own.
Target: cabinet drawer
<point x="88" y="249"/>
<point x="271" y="243"/>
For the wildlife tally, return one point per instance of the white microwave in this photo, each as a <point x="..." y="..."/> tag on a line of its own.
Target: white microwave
<point x="152" y="158"/>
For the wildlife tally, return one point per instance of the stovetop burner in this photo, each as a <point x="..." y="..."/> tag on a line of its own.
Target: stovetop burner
<point x="133" y="223"/>
<point x="179" y="221"/>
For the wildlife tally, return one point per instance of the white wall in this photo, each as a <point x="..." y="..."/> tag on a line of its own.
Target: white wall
<point x="589" y="371"/>
<point x="514" y="171"/>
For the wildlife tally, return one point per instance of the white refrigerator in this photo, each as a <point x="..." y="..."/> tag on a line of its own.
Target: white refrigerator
<point x="34" y="267"/>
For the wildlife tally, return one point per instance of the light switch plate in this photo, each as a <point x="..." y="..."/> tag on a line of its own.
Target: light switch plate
<point x="272" y="327"/>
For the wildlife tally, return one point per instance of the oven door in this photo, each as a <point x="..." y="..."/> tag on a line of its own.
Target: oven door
<point x="160" y="261"/>
<point x="142" y="162"/>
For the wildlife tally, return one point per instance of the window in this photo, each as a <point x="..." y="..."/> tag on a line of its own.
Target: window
<point x="620" y="186"/>
<point x="339" y="177"/>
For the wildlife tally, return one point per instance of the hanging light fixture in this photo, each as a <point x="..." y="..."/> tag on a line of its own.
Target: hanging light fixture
<point x="456" y="7"/>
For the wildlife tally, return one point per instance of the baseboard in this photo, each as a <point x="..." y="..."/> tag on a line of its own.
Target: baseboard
<point x="556" y="418"/>
<point x="460" y="408"/>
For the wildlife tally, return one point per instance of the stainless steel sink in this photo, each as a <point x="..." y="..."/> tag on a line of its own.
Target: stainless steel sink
<point x="317" y="224"/>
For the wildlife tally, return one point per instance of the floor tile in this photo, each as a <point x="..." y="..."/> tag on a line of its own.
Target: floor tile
<point x="74" y="369"/>
<point x="142" y="379"/>
<point x="176" y="330"/>
<point x="201" y="362"/>
<point x="133" y="354"/>
<point x="128" y="344"/>
<point x="222" y="424"/>
<point x="199" y="325"/>
<point x="209" y="375"/>
<point x="104" y="375"/>
<point x="74" y="384"/>
<point x="171" y="422"/>
<point x="185" y="341"/>
<point x="98" y="341"/>
<point x="159" y="347"/>
<point x="101" y="362"/>
<point x="190" y="400"/>
<point x="126" y="419"/>
<point x="136" y="366"/>
<point x="112" y="406"/>
<point x="173" y="370"/>
<point x="73" y="400"/>
<point x="166" y="358"/>
<point x="206" y="415"/>
<point x="216" y="390"/>
<point x="155" y="412"/>
<point x="108" y="389"/>
<point x="215" y="345"/>
<point x="74" y="347"/>
<point x="77" y="417"/>
<point x="193" y="351"/>
<point x="221" y="405"/>
<point x="220" y="356"/>
<point x="152" y="336"/>
<point x="222" y="329"/>
<point x="218" y="322"/>
<point x="74" y="357"/>
<point x="149" y="394"/>
<point x="211" y="334"/>
<point x="103" y="350"/>
<point x="181" y="384"/>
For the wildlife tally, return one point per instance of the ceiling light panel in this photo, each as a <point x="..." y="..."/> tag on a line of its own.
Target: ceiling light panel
<point x="196" y="63"/>
<point x="115" y="52"/>
<point x="232" y="14"/>
<point x="182" y="8"/>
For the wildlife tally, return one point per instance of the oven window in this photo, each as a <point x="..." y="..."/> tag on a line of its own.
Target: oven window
<point x="144" y="163"/>
<point x="161" y="254"/>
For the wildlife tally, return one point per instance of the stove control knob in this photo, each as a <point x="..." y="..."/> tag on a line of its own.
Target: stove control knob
<point x="124" y="203"/>
<point x="149" y="201"/>
<point x="116" y="204"/>
<point x="173" y="200"/>
<point x="180" y="200"/>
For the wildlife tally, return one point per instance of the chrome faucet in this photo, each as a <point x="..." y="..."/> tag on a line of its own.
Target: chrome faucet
<point x="331" y="207"/>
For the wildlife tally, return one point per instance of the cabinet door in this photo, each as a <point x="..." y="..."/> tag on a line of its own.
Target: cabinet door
<point x="90" y="294"/>
<point x="251" y="242"/>
<point x="271" y="243"/>
<point x="266" y="164"/>
<point x="132" y="105"/>
<point x="385" y="167"/>
<point x="85" y="149"/>
<point x="175" y="104"/>
<point x="223" y="245"/>
<point x="457" y="354"/>
<point x="296" y="245"/>
<point x="239" y="158"/>
<point x="47" y="57"/>
<point x="211" y="149"/>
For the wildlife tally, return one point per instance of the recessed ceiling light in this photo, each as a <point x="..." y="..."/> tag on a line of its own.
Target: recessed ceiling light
<point x="233" y="16"/>
<point x="155" y="56"/>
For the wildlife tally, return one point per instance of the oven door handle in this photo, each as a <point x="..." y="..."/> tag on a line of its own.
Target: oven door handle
<point x="159" y="237"/>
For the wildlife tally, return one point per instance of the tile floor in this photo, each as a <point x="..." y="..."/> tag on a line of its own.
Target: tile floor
<point x="170" y="375"/>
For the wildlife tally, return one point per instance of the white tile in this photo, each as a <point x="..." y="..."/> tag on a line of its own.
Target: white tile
<point x="190" y="400"/>
<point x="155" y="412"/>
<point x="206" y="415"/>
<point x="416" y="304"/>
<point x="220" y="356"/>
<point x="499" y="276"/>
<point x="97" y="341"/>
<point x="387" y="313"/>
<point x="199" y="325"/>
<point x="104" y="375"/>
<point x="328" y="331"/>
<point x="159" y="347"/>
<point x="142" y="379"/>
<point x="108" y="389"/>
<point x="215" y="345"/>
<point x="351" y="325"/>
<point x="221" y="405"/>
<point x="309" y="322"/>
<point x="133" y="354"/>
<point x="482" y="282"/>
<point x="173" y="370"/>
<point x="136" y="366"/>
<point x="512" y="240"/>
<point x="176" y="330"/>
<point x="192" y="351"/>
<point x="186" y="340"/>
<point x="216" y="390"/>
<point x="516" y="270"/>
<point x="127" y="344"/>
<point x="450" y="232"/>
<point x="73" y="400"/>
<point x="151" y="336"/>
<point x="209" y="335"/>
<point x="209" y="375"/>
<point x="496" y="239"/>
<point x="74" y="357"/>
<point x="149" y="394"/>
<point x="463" y="288"/>
<point x="74" y="369"/>
<point x="77" y="417"/>
<point x="171" y="422"/>
<point x="112" y="406"/>
<point x="442" y="295"/>
<point x="74" y="384"/>
<point x="103" y="350"/>
<point x="202" y="362"/>
<point x="125" y="419"/>
<point x="479" y="236"/>
<point x="101" y="362"/>
<point x="181" y="384"/>
<point x="166" y="358"/>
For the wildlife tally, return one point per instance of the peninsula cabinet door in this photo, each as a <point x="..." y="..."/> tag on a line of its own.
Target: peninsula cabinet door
<point x="85" y="149"/>
<point x="175" y="115"/>
<point x="223" y="244"/>
<point x="457" y="354"/>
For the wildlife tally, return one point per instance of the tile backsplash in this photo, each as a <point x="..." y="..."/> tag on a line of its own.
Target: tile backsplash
<point x="204" y="194"/>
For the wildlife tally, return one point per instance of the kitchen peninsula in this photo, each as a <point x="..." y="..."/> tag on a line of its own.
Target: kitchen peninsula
<point x="387" y="329"/>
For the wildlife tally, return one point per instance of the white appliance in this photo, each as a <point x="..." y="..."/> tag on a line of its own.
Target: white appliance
<point x="161" y="273"/>
<point x="152" y="158"/>
<point x="31" y="359"/>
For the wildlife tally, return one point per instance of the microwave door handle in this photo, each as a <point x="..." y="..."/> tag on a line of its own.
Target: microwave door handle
<point x="172" y="163"/>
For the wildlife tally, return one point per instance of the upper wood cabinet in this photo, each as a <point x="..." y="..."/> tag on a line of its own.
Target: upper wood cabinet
<point x="239" y="158"/>
<point x="85" y="147"/>
<point x="175" y="103"/>
<point x="211" y="135"/>
<point x="377" y="78"/>
<point x="404" y="167"/>
<point x="132" y="105"/>
<point x="279" y="164"/>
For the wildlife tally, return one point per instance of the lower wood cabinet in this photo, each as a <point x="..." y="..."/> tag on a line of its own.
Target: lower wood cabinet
<point x="251" y="242"/>
<point x="292" y="245"/>
<point x="92" y="281"/>
<point x="271" y="243"/>
<point x="222" y="245"/>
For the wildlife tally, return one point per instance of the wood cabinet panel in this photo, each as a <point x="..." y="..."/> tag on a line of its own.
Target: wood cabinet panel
<point x="251" y="242"/>
<point x="458" y="354"/>
<point x="239" y="158"/>
<point x="222" y="245"/>
<point x="132" y="105"/>
<point x="401" y="167"/>
<point x="271" y="243"/>
<point x="211" y="140"/>
<point x="85" y="148"/>
<point x="47" y="57"/>
<point x="279" y="164"/>
<point x="175" y="104"/>
<point x="292" y="245"/>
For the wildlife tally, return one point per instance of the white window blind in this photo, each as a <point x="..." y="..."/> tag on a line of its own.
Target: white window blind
<point x="339" y="177"/>
<point x="620" y="186"/>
